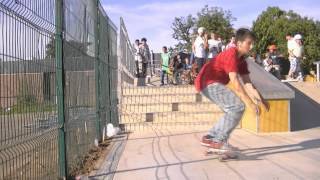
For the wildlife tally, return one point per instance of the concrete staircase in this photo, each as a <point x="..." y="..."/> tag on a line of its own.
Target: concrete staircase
<point x="166" y="107"/>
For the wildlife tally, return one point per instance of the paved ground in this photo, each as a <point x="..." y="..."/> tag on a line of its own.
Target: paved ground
<point x="310" y="89"/>
<point x="177" y="154"/>
<point x="168" y="154"/>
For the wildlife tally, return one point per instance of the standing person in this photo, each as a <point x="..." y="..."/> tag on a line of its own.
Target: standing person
<point x="229" y="66"/>
<point x="145" y="55"/>
<point x="214" y="46"/>
<point x="165" y="61"/>
<point x="223" y="46"/>
<point x="200" y="46"/>
<point x="192" y="58"/>
<point x="293" y="65"/>
<point x="298" y="52"/>
<point x="137" y="56"/>
<point x="177" y="68"/>
<point x="231" y="43"/>
<point x="273" y="55"/>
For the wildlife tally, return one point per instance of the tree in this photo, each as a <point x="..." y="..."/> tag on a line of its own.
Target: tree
<point x="70" y="49"/>
<point x="182" y="30"/>
<point x="216" y="20"/>
<point x="272" y="26"/>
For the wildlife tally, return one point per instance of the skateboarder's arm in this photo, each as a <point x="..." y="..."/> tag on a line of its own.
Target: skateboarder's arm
<point x="252" y="89"/>
<point x="240" y="90"/>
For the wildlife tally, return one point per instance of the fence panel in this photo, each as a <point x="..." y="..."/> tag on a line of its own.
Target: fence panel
<point x="30" y="82"/>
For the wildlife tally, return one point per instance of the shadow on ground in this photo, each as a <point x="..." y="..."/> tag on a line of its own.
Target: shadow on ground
<point x="245" y="154"/>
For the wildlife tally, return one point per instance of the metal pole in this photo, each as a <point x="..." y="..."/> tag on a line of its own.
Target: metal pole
<point x="152" y="63"/>
<point x="60" y="88"/>
<point x="97" y="78"/>
<point x="318" y="72"/>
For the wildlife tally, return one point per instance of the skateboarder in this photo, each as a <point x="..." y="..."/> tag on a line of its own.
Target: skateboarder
<point x="229" y="66"/>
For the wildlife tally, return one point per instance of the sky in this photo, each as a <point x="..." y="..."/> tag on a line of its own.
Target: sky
<point x="153" y="18"/>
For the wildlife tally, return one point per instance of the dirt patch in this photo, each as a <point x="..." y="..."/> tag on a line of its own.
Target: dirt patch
<point x="92" y="161"/>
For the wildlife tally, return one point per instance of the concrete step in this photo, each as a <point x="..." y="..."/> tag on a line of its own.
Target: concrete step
<point x="164" y="98"/>
<point x="164" y="117"/>
<point x="169" y="107"/>
<point x="156" y="90"/>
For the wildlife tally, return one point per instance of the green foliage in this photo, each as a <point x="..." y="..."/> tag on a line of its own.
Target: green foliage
<point x="272" y="26"/>
<point x="27" y="103"/>
<point x="26" y="97"/>
<point x="182" y="27"/>
<point x="29" y="108"/>
<point x="214" y="19"/>
<point x="70" y="48"/>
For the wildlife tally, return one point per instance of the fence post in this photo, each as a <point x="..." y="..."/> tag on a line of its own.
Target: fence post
<point x="109" y="80"/>
<point x="97" y="72"/>
<point x="60" y="88"/>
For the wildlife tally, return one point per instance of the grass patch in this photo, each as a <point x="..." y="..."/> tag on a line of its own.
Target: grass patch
<point x="28" y="108"/>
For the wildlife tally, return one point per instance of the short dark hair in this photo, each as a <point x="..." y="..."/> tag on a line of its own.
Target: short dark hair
<point x="137" y="40"/>
<point x="144" y="39"/>
<point x="244" y="33"/>
<point x="164" y="47"/>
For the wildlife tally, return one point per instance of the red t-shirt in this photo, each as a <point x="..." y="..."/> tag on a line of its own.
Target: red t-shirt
<point x="218" y="69"/>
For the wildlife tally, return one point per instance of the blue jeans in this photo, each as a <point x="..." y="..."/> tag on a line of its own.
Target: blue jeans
<point x="200" y="62"/>
<point x="163" y="73"/>
<point x="176" y="74"/>
<point x="232" y="106"/>
<point x="295" y="66"/>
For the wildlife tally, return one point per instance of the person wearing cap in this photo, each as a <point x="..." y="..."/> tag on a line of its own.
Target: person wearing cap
<point x="295" y="49"/>
<point x="271" y="62"/>
<point x="273" y="55"/>
<point x="199" y="47"/>
<point x="298" y="52"/>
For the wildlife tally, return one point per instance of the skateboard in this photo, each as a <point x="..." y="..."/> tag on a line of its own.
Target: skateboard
<point x="289" y="80"/>
<point x="223" y="155"/>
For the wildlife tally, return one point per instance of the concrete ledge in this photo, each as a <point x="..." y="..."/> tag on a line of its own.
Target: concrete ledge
<point x="269" y="86"/>
<point x="277" y="94"/>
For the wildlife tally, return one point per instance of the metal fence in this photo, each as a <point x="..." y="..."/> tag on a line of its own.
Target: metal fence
<point x="58" y="85"/>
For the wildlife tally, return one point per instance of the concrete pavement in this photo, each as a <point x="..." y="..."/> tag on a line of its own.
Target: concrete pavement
<point x="172" y="154"/>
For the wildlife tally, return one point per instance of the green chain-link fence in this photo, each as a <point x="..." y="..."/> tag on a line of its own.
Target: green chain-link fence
<point x="58" y="85"/>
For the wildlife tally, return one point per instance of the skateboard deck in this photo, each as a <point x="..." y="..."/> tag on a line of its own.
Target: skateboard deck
<point x="289" y="80"/>
<point x="223" y="155"/>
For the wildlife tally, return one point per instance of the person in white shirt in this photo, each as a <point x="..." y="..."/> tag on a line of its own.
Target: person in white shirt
<point x="214" y="46"/>
<point x="199" y="47"/>
<point x="137" y="56"/>
<point x="290" y="44"/>
<point x="295" y="50"/>
<point x="232" y="43"/>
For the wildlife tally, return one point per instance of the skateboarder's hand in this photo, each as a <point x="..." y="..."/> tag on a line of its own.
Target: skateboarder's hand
<point x="265" y="104"/>
<point x="255" y="108"/>
<point x="262" y="102"/>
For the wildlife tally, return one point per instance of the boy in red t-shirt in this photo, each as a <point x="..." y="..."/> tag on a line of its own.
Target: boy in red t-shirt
<point x="229" y="65"/>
